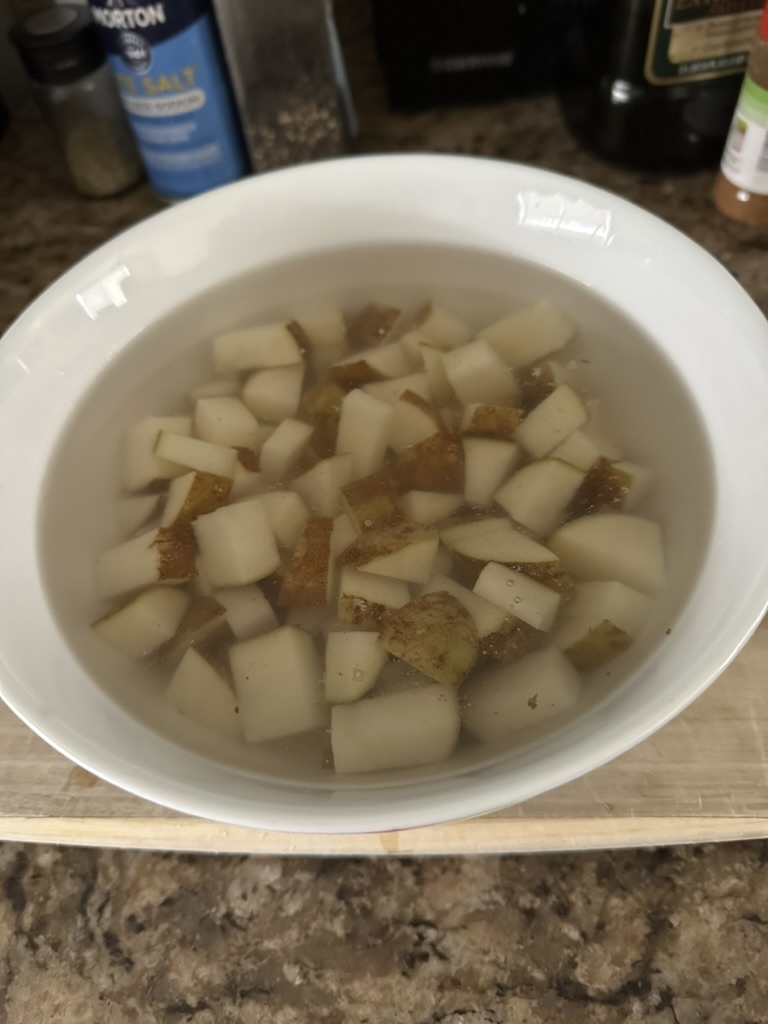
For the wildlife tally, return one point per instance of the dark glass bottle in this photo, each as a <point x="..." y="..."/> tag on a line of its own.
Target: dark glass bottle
<point x="652" y="83"/>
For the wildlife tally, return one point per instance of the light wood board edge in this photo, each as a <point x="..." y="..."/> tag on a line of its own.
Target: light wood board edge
<point x="478" y="836"/>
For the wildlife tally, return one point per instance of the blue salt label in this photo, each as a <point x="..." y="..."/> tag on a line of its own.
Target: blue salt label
<point x="168" y="66"/>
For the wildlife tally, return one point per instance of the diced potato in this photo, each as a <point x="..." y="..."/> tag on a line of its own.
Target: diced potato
<point x="372" y="324"/>
<point x="307" y="579"/>
<point x="404" y="551"/>
<point x="226" y="421"/>
<point x="141" y="463"/>
<point x="344" y="533"/>
<point x="365" y="599"/>
<point x="477" y="374"/>
<point x="203" y="619"/>
<point x="246" y="482"/>
<point x="435" y="634"/>
<point x="237" y="544"/>
<point x="518" y="594"/>
<point x="487" y="464"/>
<point x="513" y="641"/>
<point x="529" y="334"/>
<point x="414" y="420"/>
<point x="396" y="730"/>
<point x="436" y="464"/>
<point x="602" y="619"/>
<point x="353" y="660"/>
<point x="315" y="621"/>
<point x="385" y="362"/>
<point x="145" y="623"/>
<point x="502" y="700"/>
<point x="372" y="501"/>
<point x="321" y="486"/>
<point x="322" y="404"/>
<point x="192" y="495"/>
<point x="323" y="325"/>
<point x="488" y="617"/>
<point x="274" y="394"/>
<point x="582" y="449"/>
<point x="440" y="325"/>
<point x="364" y="429"/>
<point x="639" y="483"/>
<point x="158" y="556"/>
<point x="613" y="546"/>
<point x="282" y="452"/>
<point x="253" y="348"/>
<point x="201" y="692"/>
<point x="494" y="539"/>
<point x="194" y="454"/>
<point x="219" y="387"/>
<point x="429" y="507"/>
<point x="439" y="385"/>
<point x="410" y="342"/>
<point x="538" y="380"/>
<point x="390" y="390"/>
<point x="550" y="423"/>
<point x="496" y="421"/>
<point x="287" y="514"/>
<point x="247" y="610"/>
<point x="277" y="681"/>
<point x="539" y="494"/>
<point x="136" y="510"/>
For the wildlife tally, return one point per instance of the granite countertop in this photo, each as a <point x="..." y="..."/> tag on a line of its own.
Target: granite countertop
<point x="671" y="936"/>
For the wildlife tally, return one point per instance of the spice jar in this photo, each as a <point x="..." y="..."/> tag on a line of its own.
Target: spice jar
<point x="61" y="51"/>
<point x="741" y="187"/>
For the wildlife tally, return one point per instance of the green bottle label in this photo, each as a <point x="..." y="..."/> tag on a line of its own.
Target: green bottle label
<point x="745" y="157"/>
<point x="693" y="40"/>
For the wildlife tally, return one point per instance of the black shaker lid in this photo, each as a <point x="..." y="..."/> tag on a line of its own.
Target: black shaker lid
<point x="58" y="45"/>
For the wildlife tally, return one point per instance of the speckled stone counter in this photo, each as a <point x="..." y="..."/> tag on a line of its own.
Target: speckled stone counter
<point x="674" y="936"/>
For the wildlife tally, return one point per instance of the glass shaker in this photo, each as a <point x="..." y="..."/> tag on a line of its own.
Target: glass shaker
<point x="61" y="51"/>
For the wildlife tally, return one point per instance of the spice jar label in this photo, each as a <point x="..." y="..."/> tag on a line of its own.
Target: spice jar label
<point x="745" y="158"/>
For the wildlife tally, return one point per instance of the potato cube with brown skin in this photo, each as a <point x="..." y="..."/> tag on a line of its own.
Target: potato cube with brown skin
<point x="283" y="451"/>
<point x="306" y="582"/>
<point x="404" y="551"/>
<point x="477" y="374"/>
<point x="201" y="691"/>
<point x="444" y="328"/>
<point x="609" y="485"/>
<point x="539" y="380"/>
<point x="253" y="348"/>
<point x="287" y="514"/>
<point x="225" y="421"/>
<point x="391" y="390"/>
<point x="530" y="333"/>
<point x="429" y="507"/>
<point x="194" y="494"/>
<point x="488" y="617"/>
<point x="582" y="449"/>
<point x="436" y="635"/>
<point x="247" y="611"/>
<point x="513" y="641"/>
<point x="278" y="683"/>
<point x="487" y="464"/>
<point x="414" y="420"/>
<point x="640" y="480"/>
<point x="497" y="421"/>
<point x="204" y="620"/>
<point x="374" y="364"/>
<point x="141" y="463"/>
<point x="395" y="730"/>
<point x="195" y="454"/>
<point x="145" y="623"/>
<point x="218" y="387"/>
<point x="410" y="342"/>
<point x="365" y="599"/>
<point x="372" y="324"/>
<point x="353" y="660"/>
<point x="551" y="422"/>
<point x="437" y="378"/>
<point x="613" y="546"/>
<point x="323" y="325"/>
<point x="436" y="464"/>
<point x="364" y="429"/>
<point x="372" y="501"/>
<point x="165" y="555"/>
<point x="237" y="544"/>
<point x="322" y="404"/>
<point x="601" y="621"/>
<point x="321" y="486"/>
<point x="500" y="701"/>
<point x="519" y="595"/>
<point x="540" y="494"/>
<point x="274" y="394"/>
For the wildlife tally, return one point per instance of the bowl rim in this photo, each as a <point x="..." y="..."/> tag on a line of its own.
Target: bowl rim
<point x="597" y="224"/>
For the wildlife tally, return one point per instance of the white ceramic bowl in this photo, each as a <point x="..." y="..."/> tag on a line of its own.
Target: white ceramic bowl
<point x="672" y="343"/>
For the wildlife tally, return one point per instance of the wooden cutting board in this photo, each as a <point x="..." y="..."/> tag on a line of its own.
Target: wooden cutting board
<point x="704" y="777"/>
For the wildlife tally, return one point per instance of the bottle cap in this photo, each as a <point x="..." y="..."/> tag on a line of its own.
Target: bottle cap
<point x="58" y="45"/>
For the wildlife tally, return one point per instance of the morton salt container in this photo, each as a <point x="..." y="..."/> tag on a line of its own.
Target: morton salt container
<point x="172" y="82"/>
